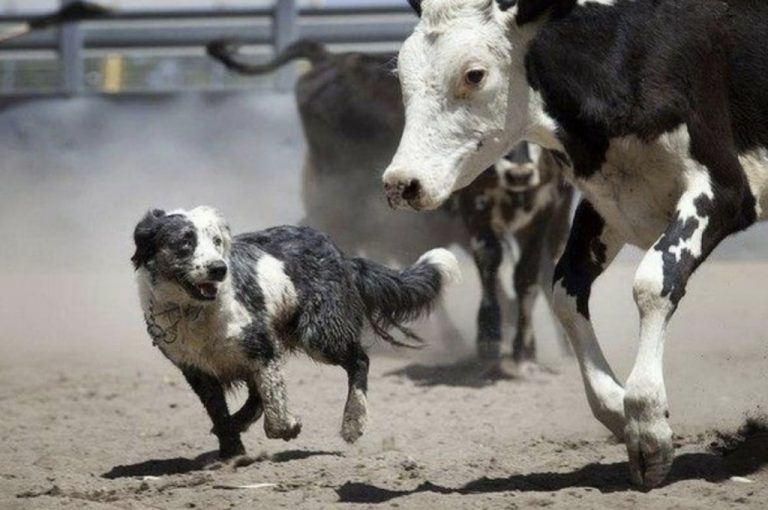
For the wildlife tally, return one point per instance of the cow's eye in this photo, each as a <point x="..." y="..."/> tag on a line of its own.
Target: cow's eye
<point x="474" y="77"/>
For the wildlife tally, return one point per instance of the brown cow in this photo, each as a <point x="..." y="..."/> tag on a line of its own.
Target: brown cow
<point x="352" y="115"/>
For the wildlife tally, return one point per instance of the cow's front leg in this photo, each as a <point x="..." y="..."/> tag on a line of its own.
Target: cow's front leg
<point x="211" y="394"/>
<point x="488" y="252"/>
<point x="700" y="222"/>
<point x="279" y="423"/>
<point x="526" y="284"/>
<point x="592" y="245"/>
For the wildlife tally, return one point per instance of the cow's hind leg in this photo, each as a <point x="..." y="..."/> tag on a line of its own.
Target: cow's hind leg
<point x="487" y="251"/>
<point x="356" y="409"/>
<point x="592" y="245"/>
<point x="701" y="220"/>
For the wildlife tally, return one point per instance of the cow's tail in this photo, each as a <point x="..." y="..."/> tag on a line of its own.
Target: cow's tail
<point x="69" y="13"/>
<point x="393" y="297"/>
<point x="226" y="52"/>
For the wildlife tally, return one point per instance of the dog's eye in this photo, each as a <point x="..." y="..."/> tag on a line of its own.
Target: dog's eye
<point x="217" y="241"/>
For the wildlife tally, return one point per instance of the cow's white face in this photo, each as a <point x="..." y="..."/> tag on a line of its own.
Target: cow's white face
<point x="466" y="99"/>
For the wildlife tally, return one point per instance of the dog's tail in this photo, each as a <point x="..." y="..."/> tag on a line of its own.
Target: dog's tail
<point x="226" y="52"/>
<point x="393" y="298"/>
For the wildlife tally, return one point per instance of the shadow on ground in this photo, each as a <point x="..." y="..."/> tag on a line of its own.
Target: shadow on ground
<point x="206" y="461"/>
<point x="468" y="373"/>
<point x="742" y="459"/>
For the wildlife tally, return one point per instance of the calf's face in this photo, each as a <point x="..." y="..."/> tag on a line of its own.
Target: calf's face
<point x="187" y="250"/>
<point x="466" y="99"/>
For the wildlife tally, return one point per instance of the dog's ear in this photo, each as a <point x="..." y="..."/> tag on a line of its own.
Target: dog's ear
<point x="144" y="237"/>
<point x="416" y="6"/>
<point x="532" y="10"/>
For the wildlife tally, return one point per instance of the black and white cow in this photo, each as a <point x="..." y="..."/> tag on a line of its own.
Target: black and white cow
<point x="352" y="114"/>
<point x="662" y="108"/>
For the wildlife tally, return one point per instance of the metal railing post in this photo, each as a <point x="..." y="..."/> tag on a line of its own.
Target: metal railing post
<point x="70" y="53"/>
<point x="285" y="31"/>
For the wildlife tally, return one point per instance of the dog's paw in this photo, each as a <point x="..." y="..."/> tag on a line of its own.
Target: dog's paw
<point x="286" y="430"/>
<point x="355" y="417"/>
<point x="230" y="448"/>
<point x="353" y="428"/>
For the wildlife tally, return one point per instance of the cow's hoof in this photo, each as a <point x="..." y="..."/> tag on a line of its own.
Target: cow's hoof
<point x="524" y="369"/>
<point x="651" y="452"/>
<point x="489" y="350"/>
<point x="287" y="430"/>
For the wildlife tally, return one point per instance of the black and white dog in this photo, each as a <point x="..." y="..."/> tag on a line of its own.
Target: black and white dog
<point x="226" y="311"/>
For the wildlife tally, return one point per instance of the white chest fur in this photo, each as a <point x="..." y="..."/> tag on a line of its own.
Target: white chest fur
<point x="207" y="337"/>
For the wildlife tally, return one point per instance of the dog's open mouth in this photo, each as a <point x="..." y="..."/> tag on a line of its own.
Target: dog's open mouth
<point x="207" y="290"/>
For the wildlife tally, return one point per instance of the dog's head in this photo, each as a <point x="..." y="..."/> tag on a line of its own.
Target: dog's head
<point x="187" y="249"/>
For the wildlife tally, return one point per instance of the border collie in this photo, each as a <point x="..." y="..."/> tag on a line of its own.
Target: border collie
<point x="226" y="310"/>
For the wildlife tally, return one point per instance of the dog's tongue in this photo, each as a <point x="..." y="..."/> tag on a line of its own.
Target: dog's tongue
<point x="207" y="289"/>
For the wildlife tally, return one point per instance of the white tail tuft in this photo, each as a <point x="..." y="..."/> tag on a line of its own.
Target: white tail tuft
<point x="445" y="262"/>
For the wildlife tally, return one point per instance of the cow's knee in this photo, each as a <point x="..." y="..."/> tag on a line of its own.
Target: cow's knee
<point x="648" y="287"/>
<point x="564" y="303"/>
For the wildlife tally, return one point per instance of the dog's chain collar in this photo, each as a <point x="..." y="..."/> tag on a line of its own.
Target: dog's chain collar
<point x="173" y="314"/>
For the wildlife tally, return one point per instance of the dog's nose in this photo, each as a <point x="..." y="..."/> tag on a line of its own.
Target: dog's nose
<point x="217" y="270"/>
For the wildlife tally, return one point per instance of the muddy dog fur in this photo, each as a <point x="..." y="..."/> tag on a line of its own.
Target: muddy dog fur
<point x="226" y="310"/>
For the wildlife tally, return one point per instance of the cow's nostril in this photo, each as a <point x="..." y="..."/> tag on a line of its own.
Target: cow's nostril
<point x="412" y="190"/>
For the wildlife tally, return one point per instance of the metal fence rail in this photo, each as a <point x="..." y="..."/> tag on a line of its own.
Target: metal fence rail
<point x="72" y="49"/>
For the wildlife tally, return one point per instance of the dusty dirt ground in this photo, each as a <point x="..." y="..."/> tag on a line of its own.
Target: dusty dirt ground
<point x="120" y="429"/>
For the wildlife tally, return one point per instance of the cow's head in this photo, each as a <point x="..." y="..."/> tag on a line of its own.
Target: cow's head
<point x="467" y="99"/>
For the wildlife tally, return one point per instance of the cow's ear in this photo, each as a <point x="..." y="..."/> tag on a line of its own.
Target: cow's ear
<point x="533" y="10"/>
<point x="416" y="5"/>
<point x="144" y="237"/>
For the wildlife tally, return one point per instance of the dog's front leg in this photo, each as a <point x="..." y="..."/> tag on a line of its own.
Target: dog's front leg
<point x="278" y="422"/>
<point x="250" y="412"/>
<point x="211" y="394"/>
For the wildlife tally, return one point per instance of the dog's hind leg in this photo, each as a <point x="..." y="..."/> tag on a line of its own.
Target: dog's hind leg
<point x="278" y="422"/>
<point x="250" y="412"/>
<point x="356" y="410"/>
<point x="211" y="394"/>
